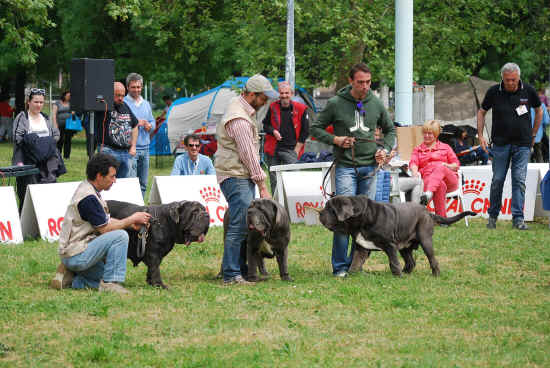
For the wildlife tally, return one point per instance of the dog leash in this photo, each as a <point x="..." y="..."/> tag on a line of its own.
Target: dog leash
<point x="143" y="234"/>
<point x="359" y="177"/>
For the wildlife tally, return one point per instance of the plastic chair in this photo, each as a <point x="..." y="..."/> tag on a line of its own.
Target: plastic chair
<point x="459" y="194"/>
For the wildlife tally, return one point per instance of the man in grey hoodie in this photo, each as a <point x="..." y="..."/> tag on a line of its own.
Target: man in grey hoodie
<point x="355" y="113"/>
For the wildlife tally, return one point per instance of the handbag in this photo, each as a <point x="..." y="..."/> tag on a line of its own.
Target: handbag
<point x="73" y="123"/>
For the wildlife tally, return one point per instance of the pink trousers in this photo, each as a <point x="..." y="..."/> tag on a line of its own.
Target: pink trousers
<point x="440" y="181"/>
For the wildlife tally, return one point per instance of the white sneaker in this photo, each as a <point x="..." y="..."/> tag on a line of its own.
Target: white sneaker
<point x="112" y="287"/>
<point x="341" y="274"/>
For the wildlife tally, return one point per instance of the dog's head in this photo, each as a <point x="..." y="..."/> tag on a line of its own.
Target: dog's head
<point x="191" y="219"/>
<point x="263" y="215"/>
<point x="339" y="211"/>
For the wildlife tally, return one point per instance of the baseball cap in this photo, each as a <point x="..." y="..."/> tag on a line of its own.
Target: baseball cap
<point x="259" y="83"/>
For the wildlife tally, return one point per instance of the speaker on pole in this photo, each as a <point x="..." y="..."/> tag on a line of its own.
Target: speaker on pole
<point x="91" y="78"/>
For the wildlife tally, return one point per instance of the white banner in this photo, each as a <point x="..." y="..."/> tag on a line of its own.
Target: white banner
<point x="10" y="226"/>
<point x="304" y="188"/>
<point x="477" y="187"/>
<point x="45" y="204"/>
<point x="200" y="188"/>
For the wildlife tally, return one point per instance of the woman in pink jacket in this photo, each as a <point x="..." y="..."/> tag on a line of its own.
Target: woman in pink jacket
<point x="437" y="163"/>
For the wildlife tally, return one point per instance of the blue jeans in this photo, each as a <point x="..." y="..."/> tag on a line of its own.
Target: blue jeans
<point x="104" y="259"/>
<point x="518" y="156"/>
<point x="348" y="183"/>
<point x="239" y="193"/>
<point x="139" y="166"/>
<point x="122" y="156"/>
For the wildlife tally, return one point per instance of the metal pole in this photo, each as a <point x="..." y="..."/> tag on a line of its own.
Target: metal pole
<point x="403" y="61"/>
<point x="290" y="62"/>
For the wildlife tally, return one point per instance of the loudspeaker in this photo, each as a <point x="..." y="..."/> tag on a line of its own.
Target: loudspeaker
<point x="89" y="79"/>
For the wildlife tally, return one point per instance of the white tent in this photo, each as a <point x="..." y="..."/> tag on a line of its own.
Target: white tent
<point x="187" y="114"/>
<point x="204" y="110"/>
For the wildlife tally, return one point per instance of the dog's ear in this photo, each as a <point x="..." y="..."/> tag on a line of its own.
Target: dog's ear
<point x="174" y="211"/>
<point x="278" y="215"/>
<point x="344" y="208"/>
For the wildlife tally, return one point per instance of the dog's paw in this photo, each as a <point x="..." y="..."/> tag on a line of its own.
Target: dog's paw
<point x="287" y="278"/>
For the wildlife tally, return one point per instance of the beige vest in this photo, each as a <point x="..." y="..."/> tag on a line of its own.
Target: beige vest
<point x="227" y="161"/>
<point x="75" y="232"/>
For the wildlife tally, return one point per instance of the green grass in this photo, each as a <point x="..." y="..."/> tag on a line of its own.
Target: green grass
<point x="489" y="308"/>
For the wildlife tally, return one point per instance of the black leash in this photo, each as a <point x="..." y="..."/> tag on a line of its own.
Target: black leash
<point x="143" y="234"/>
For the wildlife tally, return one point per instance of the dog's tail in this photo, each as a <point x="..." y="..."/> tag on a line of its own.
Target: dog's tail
<point x="451" y="220"/>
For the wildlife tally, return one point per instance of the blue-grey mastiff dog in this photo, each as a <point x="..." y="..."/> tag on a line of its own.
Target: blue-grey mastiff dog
<point x="386" y="227"/>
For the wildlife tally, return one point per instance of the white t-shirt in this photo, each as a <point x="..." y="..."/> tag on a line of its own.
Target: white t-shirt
<point x="38" y="126"/>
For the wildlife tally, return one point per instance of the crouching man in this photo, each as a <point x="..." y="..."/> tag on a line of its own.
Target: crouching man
<point x="92" y="245"/>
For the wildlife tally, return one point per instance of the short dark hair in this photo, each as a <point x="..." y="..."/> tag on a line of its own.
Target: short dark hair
<point x="166" y="97"/>
<point x="358" y="67"/>
<point x="189" y="137"/>
<point x="100" y="164"/>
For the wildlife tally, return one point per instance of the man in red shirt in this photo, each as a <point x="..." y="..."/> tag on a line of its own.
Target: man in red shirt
<point x="287" y="127"/>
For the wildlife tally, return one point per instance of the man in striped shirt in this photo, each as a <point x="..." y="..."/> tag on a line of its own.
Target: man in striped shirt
<point x="238" y="169"/>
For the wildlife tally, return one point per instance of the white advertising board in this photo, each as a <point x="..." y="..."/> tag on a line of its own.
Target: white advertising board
<point x="477" y="187"/>
<point x="302" y="189"/>
<point x="10" y="225"/>
<point x="45" y="205"/>
<point x="200" y="188"/>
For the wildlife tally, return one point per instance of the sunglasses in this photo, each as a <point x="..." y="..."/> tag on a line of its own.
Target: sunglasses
<point x="196" y="145"/>
<point x="37" y="91"/>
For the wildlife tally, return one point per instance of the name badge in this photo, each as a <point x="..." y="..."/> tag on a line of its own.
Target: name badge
<point x="521" y="109"/>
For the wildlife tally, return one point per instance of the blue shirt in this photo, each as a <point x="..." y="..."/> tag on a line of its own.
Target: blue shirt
<point x="183" y="165"/>
<point x="543" y="124"/>
<point x="142" y="111"/>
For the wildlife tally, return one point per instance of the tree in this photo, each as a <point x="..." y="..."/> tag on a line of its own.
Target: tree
<point x="22" y="24"/>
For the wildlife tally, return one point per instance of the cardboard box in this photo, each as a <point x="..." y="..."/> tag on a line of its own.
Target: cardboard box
<point x="408" y="138"/>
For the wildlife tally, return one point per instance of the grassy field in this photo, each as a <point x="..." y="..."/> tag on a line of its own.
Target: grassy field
<point x="489" y="308"/>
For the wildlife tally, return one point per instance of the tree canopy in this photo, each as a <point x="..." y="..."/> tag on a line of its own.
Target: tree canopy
<point x="199" y="43"/>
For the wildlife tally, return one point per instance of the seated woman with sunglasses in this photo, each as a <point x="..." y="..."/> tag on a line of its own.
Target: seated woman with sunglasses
<point x="438" y="165"/>
<point x="192" y="162"/>
<point x="35" y="139"/>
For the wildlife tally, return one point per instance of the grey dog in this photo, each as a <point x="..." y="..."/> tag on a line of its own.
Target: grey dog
<point x="268" y="236"/>
<point x="386" y="227"/>
<point x="177" y="222"/>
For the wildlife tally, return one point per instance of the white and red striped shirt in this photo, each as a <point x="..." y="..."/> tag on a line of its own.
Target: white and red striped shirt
<point x="240" y="131"/>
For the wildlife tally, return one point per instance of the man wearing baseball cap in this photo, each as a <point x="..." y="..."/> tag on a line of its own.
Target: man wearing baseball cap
<point x="238" y="169"/>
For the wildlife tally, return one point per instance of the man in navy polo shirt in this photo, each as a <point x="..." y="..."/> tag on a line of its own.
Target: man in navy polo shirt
<point x="512" y="138"/>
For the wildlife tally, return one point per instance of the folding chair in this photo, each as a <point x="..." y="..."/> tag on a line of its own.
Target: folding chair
<point x="459" y="194"/>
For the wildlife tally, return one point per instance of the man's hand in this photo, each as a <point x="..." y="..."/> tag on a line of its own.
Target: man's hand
<point x="277" y="135"/>
<point x="380" y="156"/>
<point x="264" y="193"/>
<point x="132" y="151"/>
<point x="483" y="143"/>
<point x="145" y="124"/>
<point x="344" y="142"/>
<point x="138" y="219"/>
